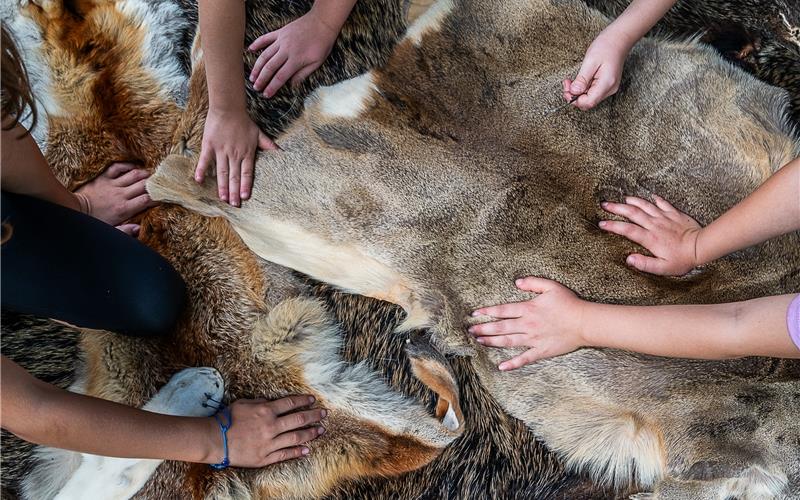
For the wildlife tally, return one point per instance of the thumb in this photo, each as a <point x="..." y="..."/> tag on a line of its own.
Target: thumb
<point x="583" y="81"/>
<point x="535" y="285"/>
<point x="646" y="264"/>
<point x="129" y="229"/>
<point x="265" y="143"/>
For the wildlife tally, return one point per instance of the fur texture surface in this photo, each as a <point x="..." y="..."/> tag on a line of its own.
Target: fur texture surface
<point x="680" y="434"/>
<point x="404" y="183"/>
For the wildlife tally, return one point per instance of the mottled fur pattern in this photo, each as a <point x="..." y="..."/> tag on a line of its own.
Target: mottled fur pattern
<point x="441" y="162"/>
<point x="762" y="36"/>
<point x="497" y="455"/>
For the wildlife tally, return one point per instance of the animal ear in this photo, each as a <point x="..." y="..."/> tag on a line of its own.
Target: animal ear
<point x="433" y="370"/>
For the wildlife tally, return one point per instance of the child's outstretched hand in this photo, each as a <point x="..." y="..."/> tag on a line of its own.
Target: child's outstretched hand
<point x="600" y="72"/>
<point x="292" y="52"/>
<point x="670" y="235"/>
<point x="550" y="324"/>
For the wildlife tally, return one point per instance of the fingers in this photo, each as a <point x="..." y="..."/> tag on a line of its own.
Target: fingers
<point x="664" y="204"/>
<point x="290" y="403"/>
<point x="264" y="40"/>
<point x="261" y="61"/>
<point x="117" y="169"/>
<point x="503" y="327"/>
<point x="138" y="204"/>
<point x="303" y="73"/>
<point x="286" y="454"/>
<point x="536" y="285"/>
<point x="281" y="77"/>
<point x="523" y="359"/>
<point x="202" y="164"/>
<point x="135" y="190"/>
<point x="222" y="176"/>
<point x="647" y="264"/>
<point x="131" y="177"/>
<point x="296" y="420"/>
<point x="296" y="438"/>
<point x="583" y="81"/>
<point x="512" y="310"/>
<point x="630" y="212"/>
<point x="130" y="229"/>
<point x="246" y="177"/>
<point x="270" y="68"/>
<point x="234" y="176"/>
<point x="633" y="232"/>
<point x="513" y="340"/>
<point x="265" y="143"/>
<point x="644" y="205"/>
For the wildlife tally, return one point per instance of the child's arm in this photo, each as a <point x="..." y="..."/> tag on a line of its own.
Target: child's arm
<point x="230" y="137"/>
<point x="262" y="432"/>
<point x="601" y="69"/>
<point x="557" y="322"/>
<point x="296" y="50"/>
<point x="679" y="244"/>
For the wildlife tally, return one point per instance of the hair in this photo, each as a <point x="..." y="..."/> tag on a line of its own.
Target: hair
<point x="16" y="96"/>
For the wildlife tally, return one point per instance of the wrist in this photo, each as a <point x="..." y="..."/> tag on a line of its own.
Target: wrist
<point x="332" y="14"/>
<point x="84" y="204"/>
<point x="698" y="252"/>
<point x="206" y="435"/>
<point x="584" y="314"/>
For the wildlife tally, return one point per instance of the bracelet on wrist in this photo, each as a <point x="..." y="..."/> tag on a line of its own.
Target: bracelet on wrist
<point x="224" y="425"/>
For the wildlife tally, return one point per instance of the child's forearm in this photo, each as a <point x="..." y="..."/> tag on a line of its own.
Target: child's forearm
<point x="222" y="38"/>
<point x="771" y="210"/>
<point x="333" y="13"/>
<point x="43" y="414"/>
<point x="637" y="19"/>
<point x="718" y="331"/>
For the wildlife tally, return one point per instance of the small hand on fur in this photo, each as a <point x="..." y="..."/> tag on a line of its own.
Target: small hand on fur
<point x="266" y="432"/>
<point x="116" y="195"/>
<point x="550" y="324"/>
<point x="670" y="235"/>
<point x="600" y="73"/>
<point x="292" y="52"/>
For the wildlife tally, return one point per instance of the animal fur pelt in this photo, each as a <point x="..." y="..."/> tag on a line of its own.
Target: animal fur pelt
<point x="432" y="180"/>
<point x="233" y="295"/>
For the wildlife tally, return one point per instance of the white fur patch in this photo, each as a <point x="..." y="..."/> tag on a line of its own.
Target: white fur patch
<point x="353" y="388"/>
<point x="67" y="475"/>
<point x="27" y="35"/>
<point x="450" y="419"/>
<point x="756" y="483"/>
<point x="431" y="20"/>
<point x="163" y="24"/>
<point x="346" y="99"/>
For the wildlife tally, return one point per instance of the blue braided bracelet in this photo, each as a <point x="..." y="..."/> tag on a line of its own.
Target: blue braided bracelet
<point x="223" y="428"/>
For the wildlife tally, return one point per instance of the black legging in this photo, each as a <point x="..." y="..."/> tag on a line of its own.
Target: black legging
<point x="62" y="264"/>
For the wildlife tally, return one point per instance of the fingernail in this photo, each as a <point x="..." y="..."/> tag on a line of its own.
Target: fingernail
<point x="324" y="413"/>
<point x="479" y="340"/>
<point x="603" y="223"/>
<point x="244" y="195"/>
<point x="630" y="260"/>
<point x="502" y="367"/>
<point x="252" y="79"/>
<point x="311" y="400"/>
<point x="305" y="451"/>
<point x="471" y="329"/>
<point x="475" y="313"/>
<point x="518" y="282"/>
<point x="320" y="430"/>
<point x="604" y="204"/>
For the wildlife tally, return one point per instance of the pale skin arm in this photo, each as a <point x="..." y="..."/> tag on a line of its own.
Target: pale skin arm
<point x="679" y="244"/>
<point x="556" y="322"/>
<point x="601" y="69"/>
<point x="263" y="432"/>
<point x="115" y="196"/>
<point x="230" y="138"/>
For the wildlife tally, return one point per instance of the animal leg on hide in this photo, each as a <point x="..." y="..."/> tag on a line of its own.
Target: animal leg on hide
<point x="186" y="394"/>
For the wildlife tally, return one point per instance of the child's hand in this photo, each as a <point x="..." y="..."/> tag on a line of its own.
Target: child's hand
<point x="292" y="52"/>
<point x="230" y="140"/>
<point x="671" y="236"/>
<point x="266" y="432"/>
<point x="600" y="72"/>
<point x="550" y="324"/>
